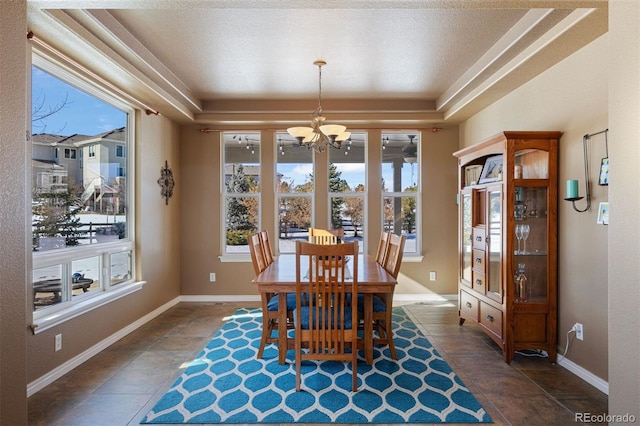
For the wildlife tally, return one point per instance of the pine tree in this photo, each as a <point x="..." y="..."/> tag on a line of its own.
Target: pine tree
<point x="237" y="211"/>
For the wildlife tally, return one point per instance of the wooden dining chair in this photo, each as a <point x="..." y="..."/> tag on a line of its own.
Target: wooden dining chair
<point x="269" y="301"/>
<point x="324" y="236"/>
<point x="266" y="247"/>
<point x="257" y="253"/>
<point x="383" y="302"/>
<point x="326" y="324"/>
<point x="383" y="247"/>
<point x="394" y="254"/>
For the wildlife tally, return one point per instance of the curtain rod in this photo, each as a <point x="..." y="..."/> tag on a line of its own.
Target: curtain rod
<point x="31" y="36"/>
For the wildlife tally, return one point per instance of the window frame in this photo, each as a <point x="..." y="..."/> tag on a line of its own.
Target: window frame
<point x="283" y="142"/>
<point x="416" y="252"/>
<point x="51" y="316"/>
<point x="225" y="196"/>
<point x="362" y="196"/>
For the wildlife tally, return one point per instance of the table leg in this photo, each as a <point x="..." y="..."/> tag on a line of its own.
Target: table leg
<point x="368" y="328"/>
<point x="282" y="327"/>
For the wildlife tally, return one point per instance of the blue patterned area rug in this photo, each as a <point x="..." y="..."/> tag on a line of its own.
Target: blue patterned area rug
<point x="227" y="384"/>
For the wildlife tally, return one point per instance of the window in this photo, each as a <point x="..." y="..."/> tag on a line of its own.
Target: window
<point x="120" y="151"/>
<point x="81" y="211"/>
<point x="294" y="192"/>
<point x="347" y="188"/>
<point x="241" y="189"/>
<point x="401" y="192"/>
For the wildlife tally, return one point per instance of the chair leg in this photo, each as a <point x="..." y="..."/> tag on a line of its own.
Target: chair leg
<point x="388" y="324"/>
<point x="354" y="368"/>
<point x="298" y="367"/>
<point x="266" y="324"/>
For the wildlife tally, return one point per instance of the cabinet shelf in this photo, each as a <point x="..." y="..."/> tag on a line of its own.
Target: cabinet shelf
<point x="530" y="253"/>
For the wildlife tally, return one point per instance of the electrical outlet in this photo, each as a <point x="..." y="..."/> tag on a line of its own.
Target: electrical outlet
<point x="58" y="342"/>
<point x="579" y="334"/>
<point x="212" y="277"/>
<point x="432" y="276"/>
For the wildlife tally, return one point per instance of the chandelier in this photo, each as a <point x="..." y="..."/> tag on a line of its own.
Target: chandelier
<point x="320" y="135"/>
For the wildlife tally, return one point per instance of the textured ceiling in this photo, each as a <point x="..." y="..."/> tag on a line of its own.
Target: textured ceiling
<point x="218" y="61"/>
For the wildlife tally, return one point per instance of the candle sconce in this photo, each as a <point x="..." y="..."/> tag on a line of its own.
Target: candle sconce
<point x="573" y="194"/>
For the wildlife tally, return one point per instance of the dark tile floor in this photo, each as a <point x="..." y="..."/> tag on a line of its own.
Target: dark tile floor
<point x="121" y="384"/>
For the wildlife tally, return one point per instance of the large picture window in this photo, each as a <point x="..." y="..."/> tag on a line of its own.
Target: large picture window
<point x="400" y="187"/>
<point x="81" y="210"/>
<point x="241" y="189"/>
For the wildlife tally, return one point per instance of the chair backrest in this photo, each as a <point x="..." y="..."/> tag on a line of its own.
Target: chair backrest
<point x="394" y="254"/>
<point x="321" y="274"/>
<point x="266" y="247"/>
<point x="324" y="236"/>
<point x="257" y="253"/>
<point x="383" y="248"/>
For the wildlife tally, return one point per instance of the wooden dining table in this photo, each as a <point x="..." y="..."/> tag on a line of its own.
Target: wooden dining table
<point x="280" y="277"/>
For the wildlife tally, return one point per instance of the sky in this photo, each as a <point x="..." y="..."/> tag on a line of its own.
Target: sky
<point x="82" y="113"/>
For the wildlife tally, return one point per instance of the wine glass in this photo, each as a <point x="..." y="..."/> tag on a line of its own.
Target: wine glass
<point x="525" y="235"/>
<point x="518" y="236"/>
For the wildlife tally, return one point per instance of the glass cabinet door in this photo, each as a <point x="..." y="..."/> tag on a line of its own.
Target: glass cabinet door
<point x="465" y="234"/>
<point x="494" y="290"/>
<point x="530" y="240"/>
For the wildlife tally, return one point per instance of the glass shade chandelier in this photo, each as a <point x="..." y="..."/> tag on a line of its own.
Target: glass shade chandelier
<point x="319" y="135"/>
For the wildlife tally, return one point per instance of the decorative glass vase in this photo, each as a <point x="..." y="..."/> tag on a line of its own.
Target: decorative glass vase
<point x="521" y="285"/>
<point x="520" y="208"/>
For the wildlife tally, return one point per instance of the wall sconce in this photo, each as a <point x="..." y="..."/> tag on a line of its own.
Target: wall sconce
<point x="573" y="193"/>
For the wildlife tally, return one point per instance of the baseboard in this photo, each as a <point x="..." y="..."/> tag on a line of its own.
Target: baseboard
<point x="74" y="362"/>
<point x="586" y="375"/>
<point x="422" y="297"/>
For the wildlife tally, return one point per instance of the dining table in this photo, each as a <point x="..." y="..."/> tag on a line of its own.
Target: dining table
<point x="280" y="278"/>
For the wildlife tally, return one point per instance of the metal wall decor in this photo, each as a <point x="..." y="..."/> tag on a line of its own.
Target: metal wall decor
<point x="166" y="182"/>
<point x="603" y="179"/>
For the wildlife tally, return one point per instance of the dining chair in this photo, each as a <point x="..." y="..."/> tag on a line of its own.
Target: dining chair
<point x="257" y="253"/>
<point x="383" y="302"/>
<point x="383" y="247"/>
<point x="269" y="301"/>
<point x="266" y="247"/>
<point x="394" y="254"/>
<point x="324" y="236"/>
<point x="326" y="324"/>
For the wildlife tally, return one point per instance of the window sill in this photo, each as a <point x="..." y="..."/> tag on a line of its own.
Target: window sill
<point x="235" y="258"/>
<point x="53" y="319"/>
<point x="412" y="258"/>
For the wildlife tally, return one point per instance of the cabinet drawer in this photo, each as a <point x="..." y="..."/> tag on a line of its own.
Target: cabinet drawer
<point x="478" y="282"/>
<point x="491" y="318"/>
<point x="468" y="306"/>
<point x="478" y="260"/>
<point x="477" y="239"/>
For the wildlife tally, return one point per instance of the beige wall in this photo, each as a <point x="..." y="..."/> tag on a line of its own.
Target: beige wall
<point x="13" y="207"/>
<point x="201" y="237"/>
<point x="570" y="97"/>
<point x="624" y="231"/>
<point x="158" y="255"/>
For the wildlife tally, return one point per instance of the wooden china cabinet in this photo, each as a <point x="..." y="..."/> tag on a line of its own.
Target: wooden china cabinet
<point x="508" y="208"/>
